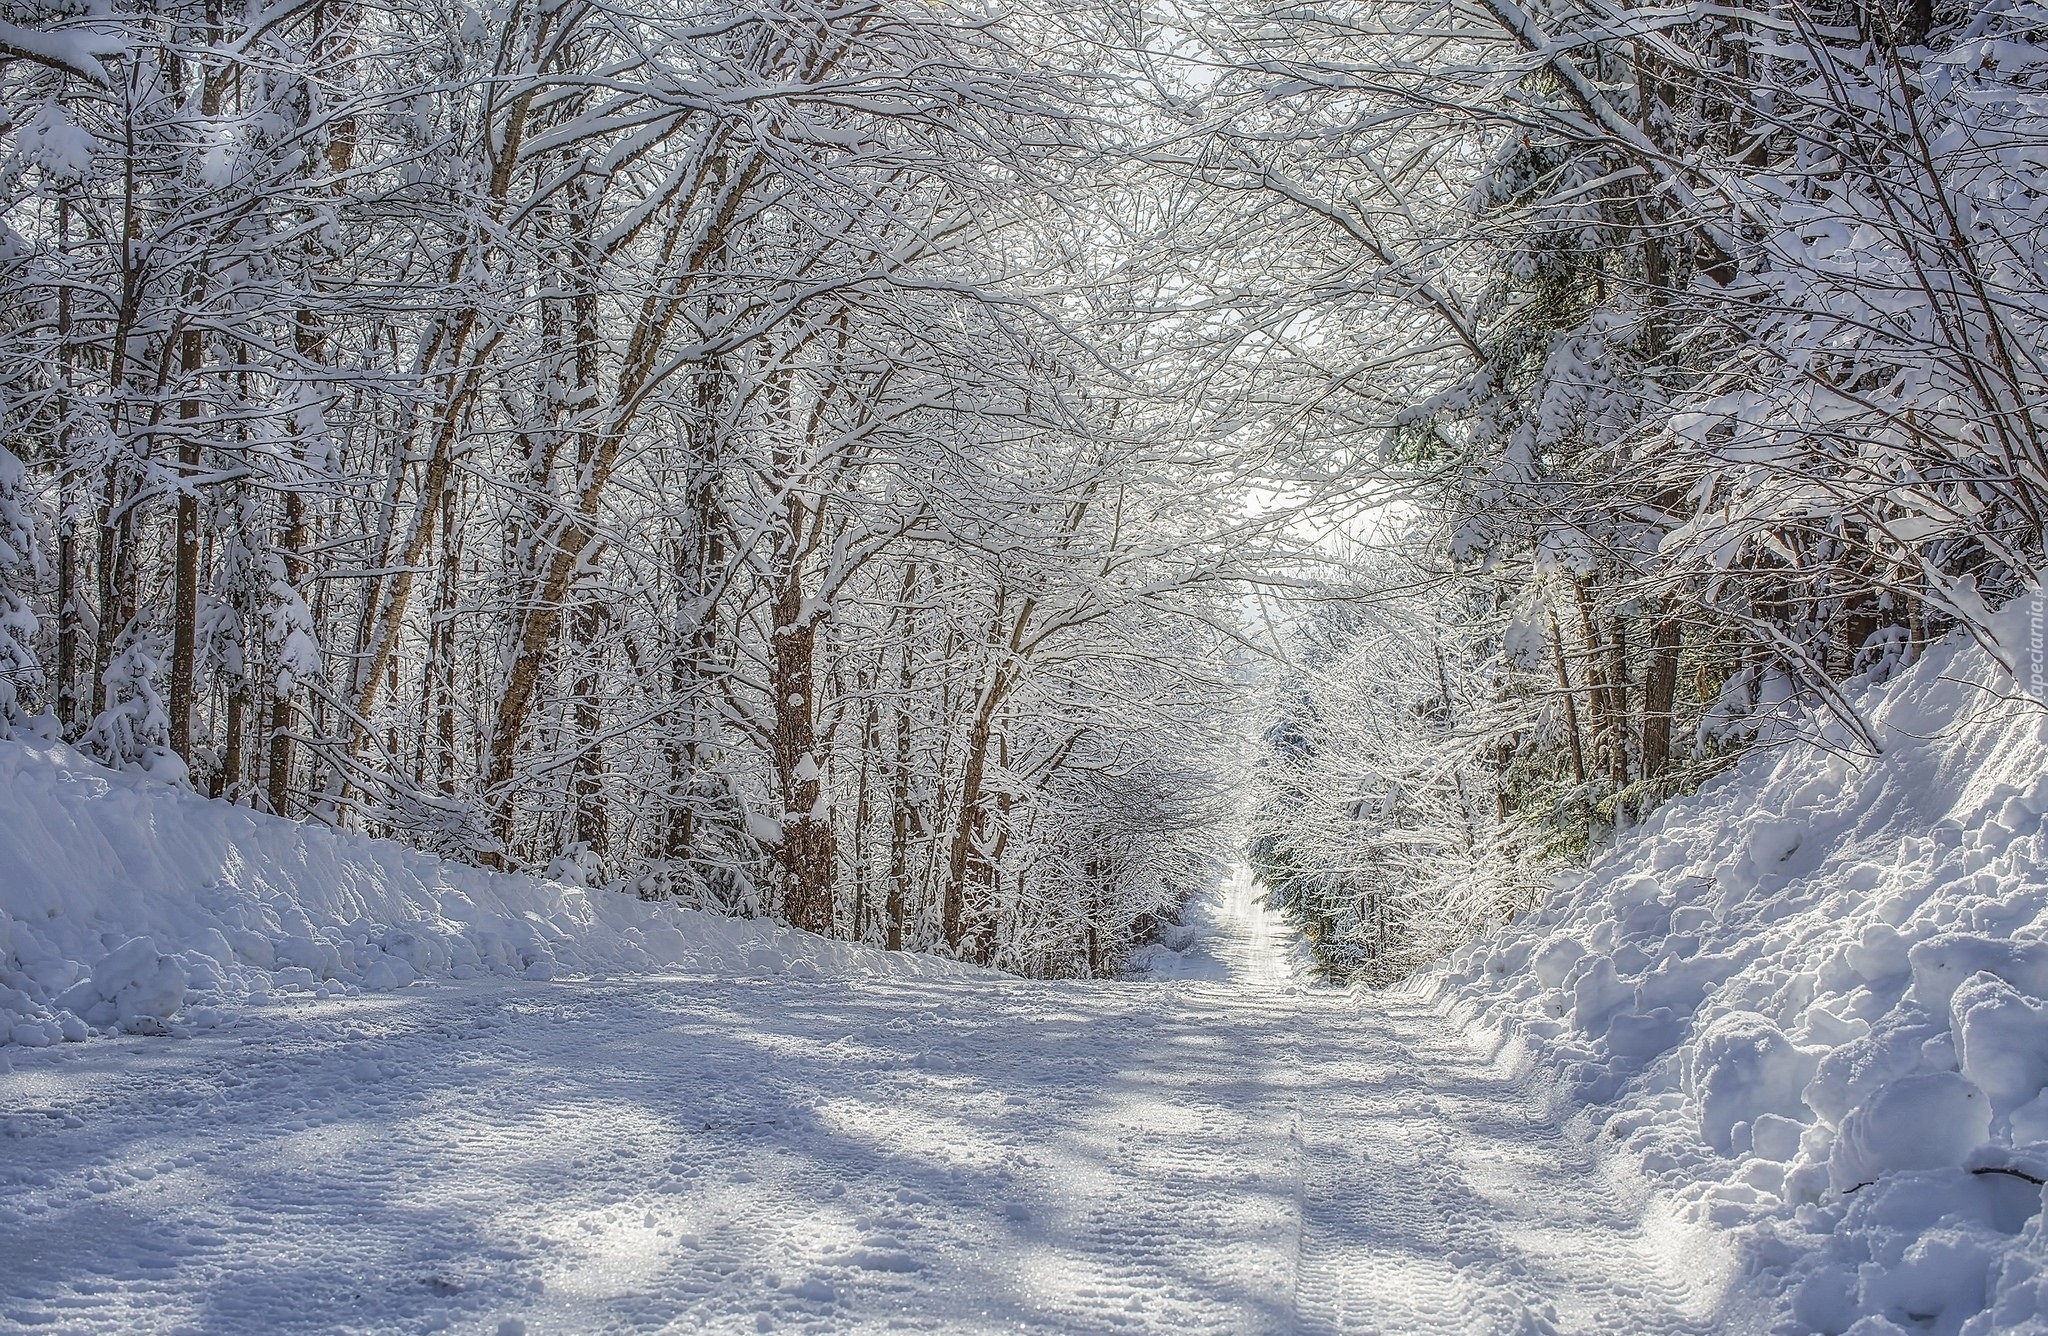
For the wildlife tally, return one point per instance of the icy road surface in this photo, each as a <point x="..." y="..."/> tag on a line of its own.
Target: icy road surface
<point x="1221" y="1151"/>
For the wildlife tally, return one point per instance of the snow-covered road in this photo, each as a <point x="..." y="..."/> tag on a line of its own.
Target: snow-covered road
<point x="1220" y="1151"/>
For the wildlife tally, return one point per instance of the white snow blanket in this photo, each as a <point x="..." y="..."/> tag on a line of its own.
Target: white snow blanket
<point x="1222" y="1153"/>
<point x="1812" y="1002"/>
<point x="128" y="905"/>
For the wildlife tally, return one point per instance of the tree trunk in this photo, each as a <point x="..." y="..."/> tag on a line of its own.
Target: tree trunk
<point x="119" y="576"/>
<point x="902" y="811"/>
<point x="864" y="805"/>
<point x="185" y="553"/>
<point x="806" y="852"/>
<point x="292" y="540"/>
<point x="185" y="536"/>
<point x="586" y="783"/>
<point x="1571" y="701"/>
<point x="1617" y="705"/>
<point x="1660" y="690"/>
<point x="700" y="568"/>
<point x="960" y="855"/>
<point x="227" y="781"/>
<point x="66" y="693"/>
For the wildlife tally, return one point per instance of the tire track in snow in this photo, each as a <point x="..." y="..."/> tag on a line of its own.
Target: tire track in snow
<point x="1441" y="1199"/>
<point x="1183" y="1217"/>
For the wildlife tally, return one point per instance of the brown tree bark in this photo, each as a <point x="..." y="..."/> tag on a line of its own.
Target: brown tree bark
<point x="191" y="408"/>
<point x="902" y="809"/>
<point x="116" y="530"/>
<point x="962" y="859"/>
<point x="1660" y="690"/>
<point x="586" y="777"/>
<point x="185" y="553"/>
<point x="66" y="685"/>
<point x="864" y="802"/>
<point x="807" y="852"/>
<point x="1573" y="734"/>
<point x="227" y="780"/>
<point x="309" y="341"/>
<point x="292" y="541"/>
<point x="1617" y="706"/>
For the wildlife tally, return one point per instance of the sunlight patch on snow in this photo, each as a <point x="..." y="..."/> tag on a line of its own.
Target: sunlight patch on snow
<point x="606" y="1251"/>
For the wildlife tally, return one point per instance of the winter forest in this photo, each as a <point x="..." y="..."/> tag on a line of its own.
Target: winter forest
<point x="908" y="469"/>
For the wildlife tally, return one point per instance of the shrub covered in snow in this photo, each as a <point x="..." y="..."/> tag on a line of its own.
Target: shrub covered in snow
<point x="134" y="731"/>
<point x="1813" y="1001"/>
<point x="19" y="563"/>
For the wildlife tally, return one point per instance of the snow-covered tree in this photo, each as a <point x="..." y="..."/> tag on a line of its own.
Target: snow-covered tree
<point x="21" y="673"/>
<point x="133" y="732"/>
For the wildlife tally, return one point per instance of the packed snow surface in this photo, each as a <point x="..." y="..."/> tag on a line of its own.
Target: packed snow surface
<point x="1812" y="1001"/>
<point x="1215" y="1150"/>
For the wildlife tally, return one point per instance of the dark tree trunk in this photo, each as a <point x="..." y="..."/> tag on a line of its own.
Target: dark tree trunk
<point x="806" y="851"/>
<point x="292" y="540"/>
<point x="962" y="856"/>
<point x="185" y="553"/>
<point x="1660" y="690"/>
<point x="1617" y="703"/>
<point x="587" y="779"/>
<point x="66" y="686"/>
<point x="1573" y="732"/>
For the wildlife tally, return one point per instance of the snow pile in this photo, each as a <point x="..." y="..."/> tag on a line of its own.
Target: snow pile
<point x="1169" y="956"/>
<point x="131" y="905"/>
<point x="1812" y="1001"/>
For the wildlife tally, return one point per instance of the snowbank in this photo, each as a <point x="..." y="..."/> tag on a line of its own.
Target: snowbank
<point x="129" y="905"/>
<point x="1812" y="1001"/>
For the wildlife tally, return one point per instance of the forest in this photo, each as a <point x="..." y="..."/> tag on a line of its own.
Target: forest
<point x="939" y="474"/>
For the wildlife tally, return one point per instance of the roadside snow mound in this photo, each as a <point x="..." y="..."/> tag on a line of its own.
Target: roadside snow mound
<point x="128" y="905"/>
<point x="1812" y="1002"/>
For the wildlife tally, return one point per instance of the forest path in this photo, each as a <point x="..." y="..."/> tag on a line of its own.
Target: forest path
<point x="1222" y="1151"/>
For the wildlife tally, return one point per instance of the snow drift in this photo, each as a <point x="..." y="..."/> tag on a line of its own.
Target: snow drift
<point x="1812" y="1002"/>
<point x="135" y="906"/>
